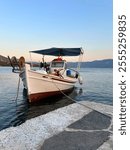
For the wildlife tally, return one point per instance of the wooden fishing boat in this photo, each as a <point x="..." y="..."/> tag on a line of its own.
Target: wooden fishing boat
<point x="48" y="81"/>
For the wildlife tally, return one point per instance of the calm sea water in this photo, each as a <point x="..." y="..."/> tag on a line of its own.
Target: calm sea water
<point x="97" y="87"/>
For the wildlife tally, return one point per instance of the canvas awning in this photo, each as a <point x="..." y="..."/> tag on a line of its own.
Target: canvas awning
<point x="60" y="51"/>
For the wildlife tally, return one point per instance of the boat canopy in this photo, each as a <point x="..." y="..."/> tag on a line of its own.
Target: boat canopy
<point x="60" y="51"/>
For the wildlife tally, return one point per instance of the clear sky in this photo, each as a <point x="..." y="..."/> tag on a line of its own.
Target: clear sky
<point x="37" y="24"/>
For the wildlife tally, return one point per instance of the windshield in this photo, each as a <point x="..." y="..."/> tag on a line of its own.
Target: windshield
<point x="57" y="64"/>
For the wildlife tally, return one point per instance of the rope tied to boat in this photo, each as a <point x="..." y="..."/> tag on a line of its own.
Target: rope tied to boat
<point x="17" y="89"/>
<point x="77" y="101"/>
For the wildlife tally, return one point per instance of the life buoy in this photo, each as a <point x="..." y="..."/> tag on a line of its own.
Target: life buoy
<point x="58" y="59"/>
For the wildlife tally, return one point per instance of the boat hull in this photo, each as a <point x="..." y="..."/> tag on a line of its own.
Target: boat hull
<point x="41" y="86"/>
<point x="45" y="95"/>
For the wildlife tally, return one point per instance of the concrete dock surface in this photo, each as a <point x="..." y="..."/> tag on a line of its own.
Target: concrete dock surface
<point x="85" y="126"/>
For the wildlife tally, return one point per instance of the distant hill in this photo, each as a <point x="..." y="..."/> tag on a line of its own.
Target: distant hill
<point x="106" y="63"/>
<point x="4" y="61"/>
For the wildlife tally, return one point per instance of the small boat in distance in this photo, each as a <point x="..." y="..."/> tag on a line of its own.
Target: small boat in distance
<point x="48" y="80"/>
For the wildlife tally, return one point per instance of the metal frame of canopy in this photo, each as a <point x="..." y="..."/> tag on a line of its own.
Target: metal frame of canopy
<point x="60" y="52"/>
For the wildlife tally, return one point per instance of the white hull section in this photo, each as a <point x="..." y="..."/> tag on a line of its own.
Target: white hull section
<point x="41" y="85"/>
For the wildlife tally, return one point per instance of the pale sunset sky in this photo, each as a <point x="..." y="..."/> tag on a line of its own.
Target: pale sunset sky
<point x="27" y="25"/>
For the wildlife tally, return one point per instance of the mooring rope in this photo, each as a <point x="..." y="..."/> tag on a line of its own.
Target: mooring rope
<point x="17" y="90"/>
<point x="77" y="101"/>
<point x="65" y="96"/>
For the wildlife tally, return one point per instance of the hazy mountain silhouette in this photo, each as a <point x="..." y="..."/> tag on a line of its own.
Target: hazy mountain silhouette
<point x="4" y="61"/>
<point x="106" y="63"/>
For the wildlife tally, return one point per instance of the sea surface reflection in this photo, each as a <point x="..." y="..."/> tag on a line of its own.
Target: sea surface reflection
<point x="97" y="87"/>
